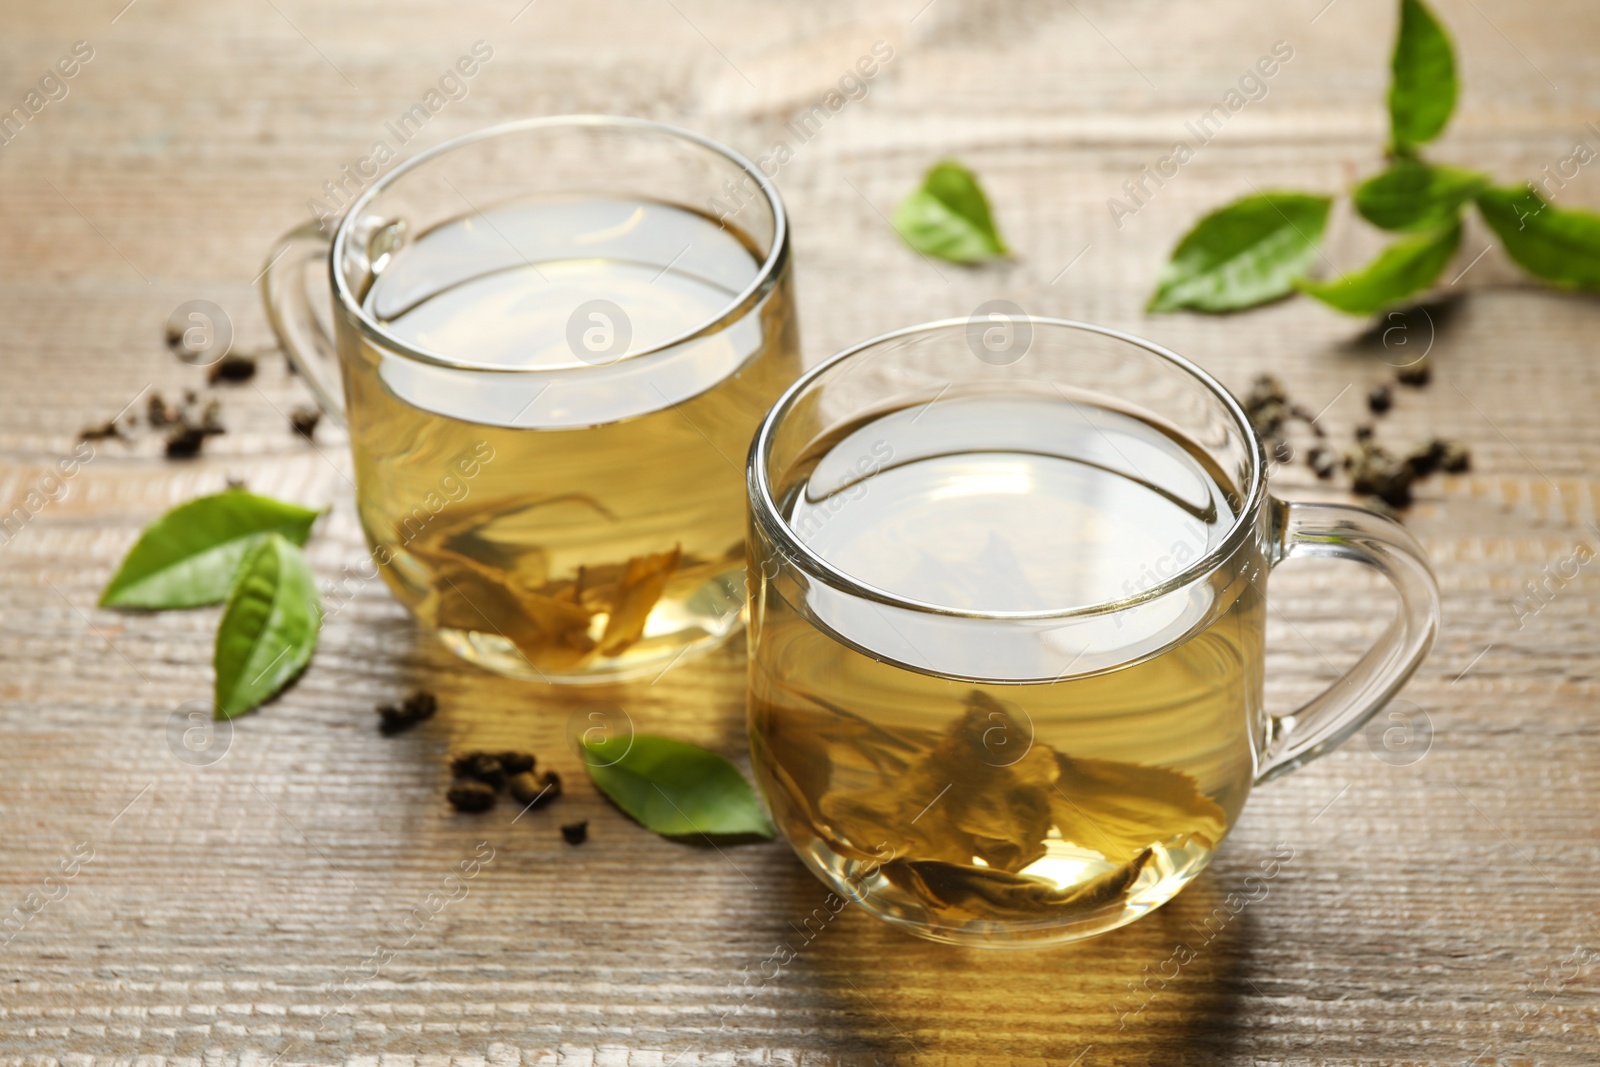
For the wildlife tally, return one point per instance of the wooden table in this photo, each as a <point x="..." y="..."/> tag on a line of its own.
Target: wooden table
<point x="1440" y="903"/>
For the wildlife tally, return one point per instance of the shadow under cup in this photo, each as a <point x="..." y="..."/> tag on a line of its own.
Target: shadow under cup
<point x="1007" y="622"/>
<point x="552" y="343"/>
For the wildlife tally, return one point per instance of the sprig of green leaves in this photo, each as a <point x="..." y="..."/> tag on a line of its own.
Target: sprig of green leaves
<point x="1413" y="195"/>
<point x="244" y="549"/>
<point x="1236" y="258"/>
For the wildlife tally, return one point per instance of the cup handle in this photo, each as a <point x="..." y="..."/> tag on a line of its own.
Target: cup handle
<point x="1340" y="532"/>
<point x="288" y="304"/>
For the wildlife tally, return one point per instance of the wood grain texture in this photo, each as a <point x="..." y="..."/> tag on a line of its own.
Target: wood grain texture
<point x="1442" y="912"/>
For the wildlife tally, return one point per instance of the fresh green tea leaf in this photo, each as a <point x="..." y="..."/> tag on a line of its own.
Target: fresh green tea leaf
<point x="269" y="628"/>
<point x="1413" y="195"/>
<point x="1244" y="254"/>
<point x="188" y="557"/>
<point x="1423" y="92"/>
<point x="949" y="217"/>
<point x="1559" y="245"/>
<point x="1405" y="267"/>
<point x="675" y="789"/>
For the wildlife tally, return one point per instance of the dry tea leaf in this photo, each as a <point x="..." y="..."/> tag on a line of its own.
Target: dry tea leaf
<point x="643" y="580"/>
<point x="471" y="797"/>
<point x="418" y="707"/>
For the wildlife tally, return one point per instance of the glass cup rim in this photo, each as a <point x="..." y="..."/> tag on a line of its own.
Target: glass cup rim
<point x="766" y="511"/>
<point x="736" y="309"/>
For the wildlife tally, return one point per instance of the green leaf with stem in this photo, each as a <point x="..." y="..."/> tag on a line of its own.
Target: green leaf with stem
<point x="1423" y="92"/>
<point x="1559" y="245"/>
<point x="675" y="789"/>
<point x="1407" y="266"/>
<point x="949" y="217"/>
<point x="1244" y="254"/>
<point x="188" y="557"/>
<point x="269" y="628"/>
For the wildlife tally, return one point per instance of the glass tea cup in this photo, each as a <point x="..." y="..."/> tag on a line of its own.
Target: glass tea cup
<point x="1007" y="612"/>
<point x="551" y="343"/>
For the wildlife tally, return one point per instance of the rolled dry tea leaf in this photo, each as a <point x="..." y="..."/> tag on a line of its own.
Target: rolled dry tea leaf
<point x="470" y="796"/>
<point x="188" y="434"/>
<point x="524" y="787"/>
<point x="160" y="413"/>
<point x="185" y="442"/>
<point x="517" y="762"/>
<point x="575" y="833"/>
<point x="391" y="720"/>
<point x="1322" y="462"/>
<point x="1415" y="374"/>
<point x="535" y="791"/>
<point x="1376" y="472"/>
<point x="1439" y="455"/>
<point x="417" y="707"/>
<point x="1309" y="417"/>
<point x="211" y="418"/>
<point x="1267" y="404"/>
<point x="1424" y="461"/>
<point x="100" y="431"/>
<point x="303" y="420"/>
<point x="420" y="704"/>
<point x="480" y="767"/>
<point x="232" y="368"/>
